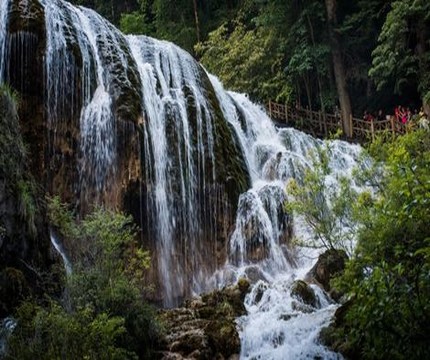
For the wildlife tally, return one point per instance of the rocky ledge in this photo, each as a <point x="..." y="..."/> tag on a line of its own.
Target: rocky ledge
<point x="205" y="327"/>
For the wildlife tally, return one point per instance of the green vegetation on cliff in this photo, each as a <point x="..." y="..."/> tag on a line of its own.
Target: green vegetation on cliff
<point x="23" y="248"/>
<point x="102" y="313"/>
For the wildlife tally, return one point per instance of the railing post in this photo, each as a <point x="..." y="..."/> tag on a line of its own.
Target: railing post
<point x="351" y="129"/>
<point x="393" y="129"/>
<point x="270" y="109"/>
<point x="372" y="129"/>
<point x="286" y="113"/>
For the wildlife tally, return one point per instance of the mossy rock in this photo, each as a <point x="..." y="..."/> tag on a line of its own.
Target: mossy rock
<point x="329" y="264"/>
<point x="301" y="290"/>
<point x="333" y="336"/>
<point x="223" y="337"/>
<point x="27" y="15"/>
<point x="205" y="328"/>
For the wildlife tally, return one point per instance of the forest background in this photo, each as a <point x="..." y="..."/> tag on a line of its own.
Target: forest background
<point x="359" y="55"/>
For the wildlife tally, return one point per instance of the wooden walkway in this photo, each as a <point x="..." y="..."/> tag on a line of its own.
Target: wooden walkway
<point x="323" y="125"/>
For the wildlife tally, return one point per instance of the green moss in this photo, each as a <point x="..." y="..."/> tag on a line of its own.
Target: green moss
<point x="13" y="160"/>
<point x="304" y="292"/>
<point x="27" y="16"/>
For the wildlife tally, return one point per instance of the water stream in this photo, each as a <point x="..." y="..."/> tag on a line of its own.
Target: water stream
<point x="276" y="327"/>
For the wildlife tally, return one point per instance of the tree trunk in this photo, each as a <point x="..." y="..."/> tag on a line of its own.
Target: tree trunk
<point x="421" y="50"/>
<point x="308" y="91"/>
<point x="196" y="17"/>
<point x="338" y="68"/>
<point x="311" y="30"/>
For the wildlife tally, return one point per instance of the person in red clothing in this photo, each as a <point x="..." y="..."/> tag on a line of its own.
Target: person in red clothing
<point x="397" y="112"/>
<point x="367" y="116"/>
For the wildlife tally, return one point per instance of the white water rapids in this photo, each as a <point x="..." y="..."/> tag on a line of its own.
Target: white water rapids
<point x="179" y="164"/>
<point x="275" y="327"/>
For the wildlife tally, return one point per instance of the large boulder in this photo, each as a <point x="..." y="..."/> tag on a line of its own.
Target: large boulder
<point x="329" y="264"/>
<point x="205" y="327"/>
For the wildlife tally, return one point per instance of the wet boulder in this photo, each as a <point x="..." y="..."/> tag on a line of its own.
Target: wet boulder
<point x="329" y="264"/>
<point x="303" y="292"/>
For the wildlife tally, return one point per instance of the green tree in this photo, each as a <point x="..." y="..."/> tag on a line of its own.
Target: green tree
<point x="240" y="59"/>
<point x="325" y="208"/>
<point x="389" y="276"/>
<point x="402" y="57"/>
<point x="102" y="314"/>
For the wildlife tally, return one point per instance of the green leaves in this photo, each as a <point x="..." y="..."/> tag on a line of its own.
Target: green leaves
<point x="102" y="315"/>
<point x="240" y="58"/>
<point x="402" y="54"/>
<point x="332" y="224"/>
<point x="52" y="333"/>
<point x="389" y="275"/>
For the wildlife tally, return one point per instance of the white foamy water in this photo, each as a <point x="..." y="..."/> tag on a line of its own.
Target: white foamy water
<point x="278" y="326"/>
<point x="176" y="162"/>
<point x="58" y="246"/>
<point x="4" y="22"/>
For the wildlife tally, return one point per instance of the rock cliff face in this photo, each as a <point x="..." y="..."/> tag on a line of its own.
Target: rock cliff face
<point x="130" y="123"/>
<point x="24" y="242"/>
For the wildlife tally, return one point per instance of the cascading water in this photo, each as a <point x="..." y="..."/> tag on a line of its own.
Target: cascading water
<point x="176" y="154"/>
<point x="4" y="21"/>
<point x="69" y="26"/>
<point x="60" y="249"/>
<point x="199" y="147"/>
<point x="277" y="326"/>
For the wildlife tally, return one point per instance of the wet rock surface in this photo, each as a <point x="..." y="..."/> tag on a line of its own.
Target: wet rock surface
<point x="329" y="264"/>
<point x="204" y="328"/>
<point x="304" y="292"/>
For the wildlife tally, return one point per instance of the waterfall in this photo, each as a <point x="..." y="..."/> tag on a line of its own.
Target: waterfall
<point x="7" y="326"/>
<point x="175" y="165"/>
<point x="276" y="327"/>
<point x="209" y="170"/>
<point x="69" y="27"/>
<point x="60" y="249"/>
<point x="4" y="22"/>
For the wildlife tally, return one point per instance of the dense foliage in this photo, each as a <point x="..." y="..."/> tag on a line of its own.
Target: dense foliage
<point x="102" y="314"/>
<point x="388" y="278"/>
<point x="307" y="52"/>
<point x="13" y="170"/>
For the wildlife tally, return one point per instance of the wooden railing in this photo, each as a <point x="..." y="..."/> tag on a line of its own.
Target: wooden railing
<point x="322" y="124"/>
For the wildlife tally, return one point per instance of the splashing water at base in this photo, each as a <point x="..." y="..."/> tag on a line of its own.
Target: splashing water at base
<point x="279" y="326"/>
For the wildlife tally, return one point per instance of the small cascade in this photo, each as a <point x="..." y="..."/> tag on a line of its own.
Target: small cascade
<point x="7" y="326"/>
<point x="21" y="47"/>
<point x="4" y="22"/>
<point x="278" y="325"/>
<point x="58" y="246"/>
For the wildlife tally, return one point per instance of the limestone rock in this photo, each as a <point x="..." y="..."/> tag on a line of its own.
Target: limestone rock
<point x="205" y="327"/>
<point x="304" y="292"/>
<point x="328" y="265"/>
